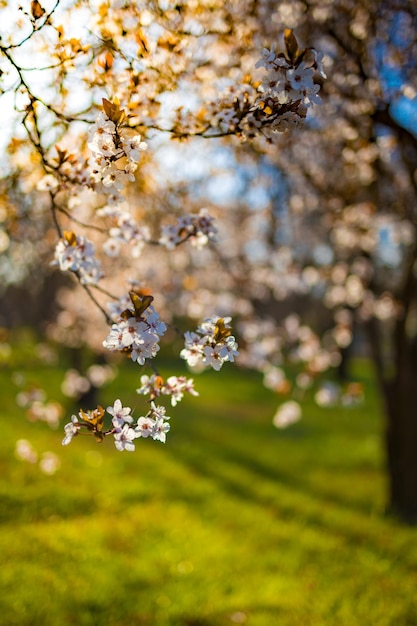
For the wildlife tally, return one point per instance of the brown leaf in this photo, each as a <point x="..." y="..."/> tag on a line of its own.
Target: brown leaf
<point x="70" y="237"/>
<point x="36" y="9"/>
<point x="291" y="44"/>
<point x="113" y="111"/>
<point x="141" y="303"/>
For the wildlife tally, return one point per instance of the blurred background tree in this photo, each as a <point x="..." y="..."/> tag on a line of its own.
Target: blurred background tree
<point x="352" y="181"/>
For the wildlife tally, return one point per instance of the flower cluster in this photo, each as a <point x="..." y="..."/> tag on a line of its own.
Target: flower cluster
<point x="115" y="153"/>
<point x="76" y="385"/>
<point x="199" y="229"/>
<point x="38" y="408"/>
<point x="212" y="344"/>
<point x="174" y="386"/>
<point x="154" y="425"/>
<point x="288" y="88"/>
<point x="281" y="99"/>
<point x="75" y="253"/>
<point x="49" y="462"/>
<point x="125" y="231"/>
<point x="291" y="80"/>
<point x="137" y="331"/>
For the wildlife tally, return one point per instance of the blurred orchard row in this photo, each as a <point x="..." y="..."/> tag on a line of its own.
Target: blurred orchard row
<point x="241" y="172"/>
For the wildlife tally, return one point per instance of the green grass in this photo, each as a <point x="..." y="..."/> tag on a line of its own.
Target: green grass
<point x="231" y="522"/>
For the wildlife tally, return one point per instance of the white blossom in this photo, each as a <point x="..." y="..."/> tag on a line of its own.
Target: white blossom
<point x="212" y="345"/>
<point x="123" y="439"/>
<point x="77" y="255"/>
<point x="144" y="427"/>
<point x="133" y="147"/>
<point x="47" y="183"/>
<point x="198" y="228"/>
<point x="288" y="413"/>
<point x="120" y="415"/>
<point x="71" y="430"/>
<point x="138" y="335"/>
<point x="25" y="451"/>
<point x="212" y="356"/>
<point x="49" y="463"/>
<point x="160" y="429"/>
<point x="115" y="156"/>
<point x="175" y="387"/>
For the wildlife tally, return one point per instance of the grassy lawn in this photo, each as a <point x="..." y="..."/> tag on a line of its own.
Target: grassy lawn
<point x="231" y="522"/>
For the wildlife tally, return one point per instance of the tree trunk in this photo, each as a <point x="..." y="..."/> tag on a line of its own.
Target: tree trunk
<point x="398" y="385"/>
<point x="401" y="447"/>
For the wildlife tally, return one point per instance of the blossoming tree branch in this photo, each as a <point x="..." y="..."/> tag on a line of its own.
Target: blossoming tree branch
<point x="91" y="104"/>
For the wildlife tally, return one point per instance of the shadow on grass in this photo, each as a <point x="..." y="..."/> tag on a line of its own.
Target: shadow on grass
<point x="240" y="615"/>
<point x="27" y="507"/>
<point x="261" y="470"/>
<point x="289" y="498"/>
